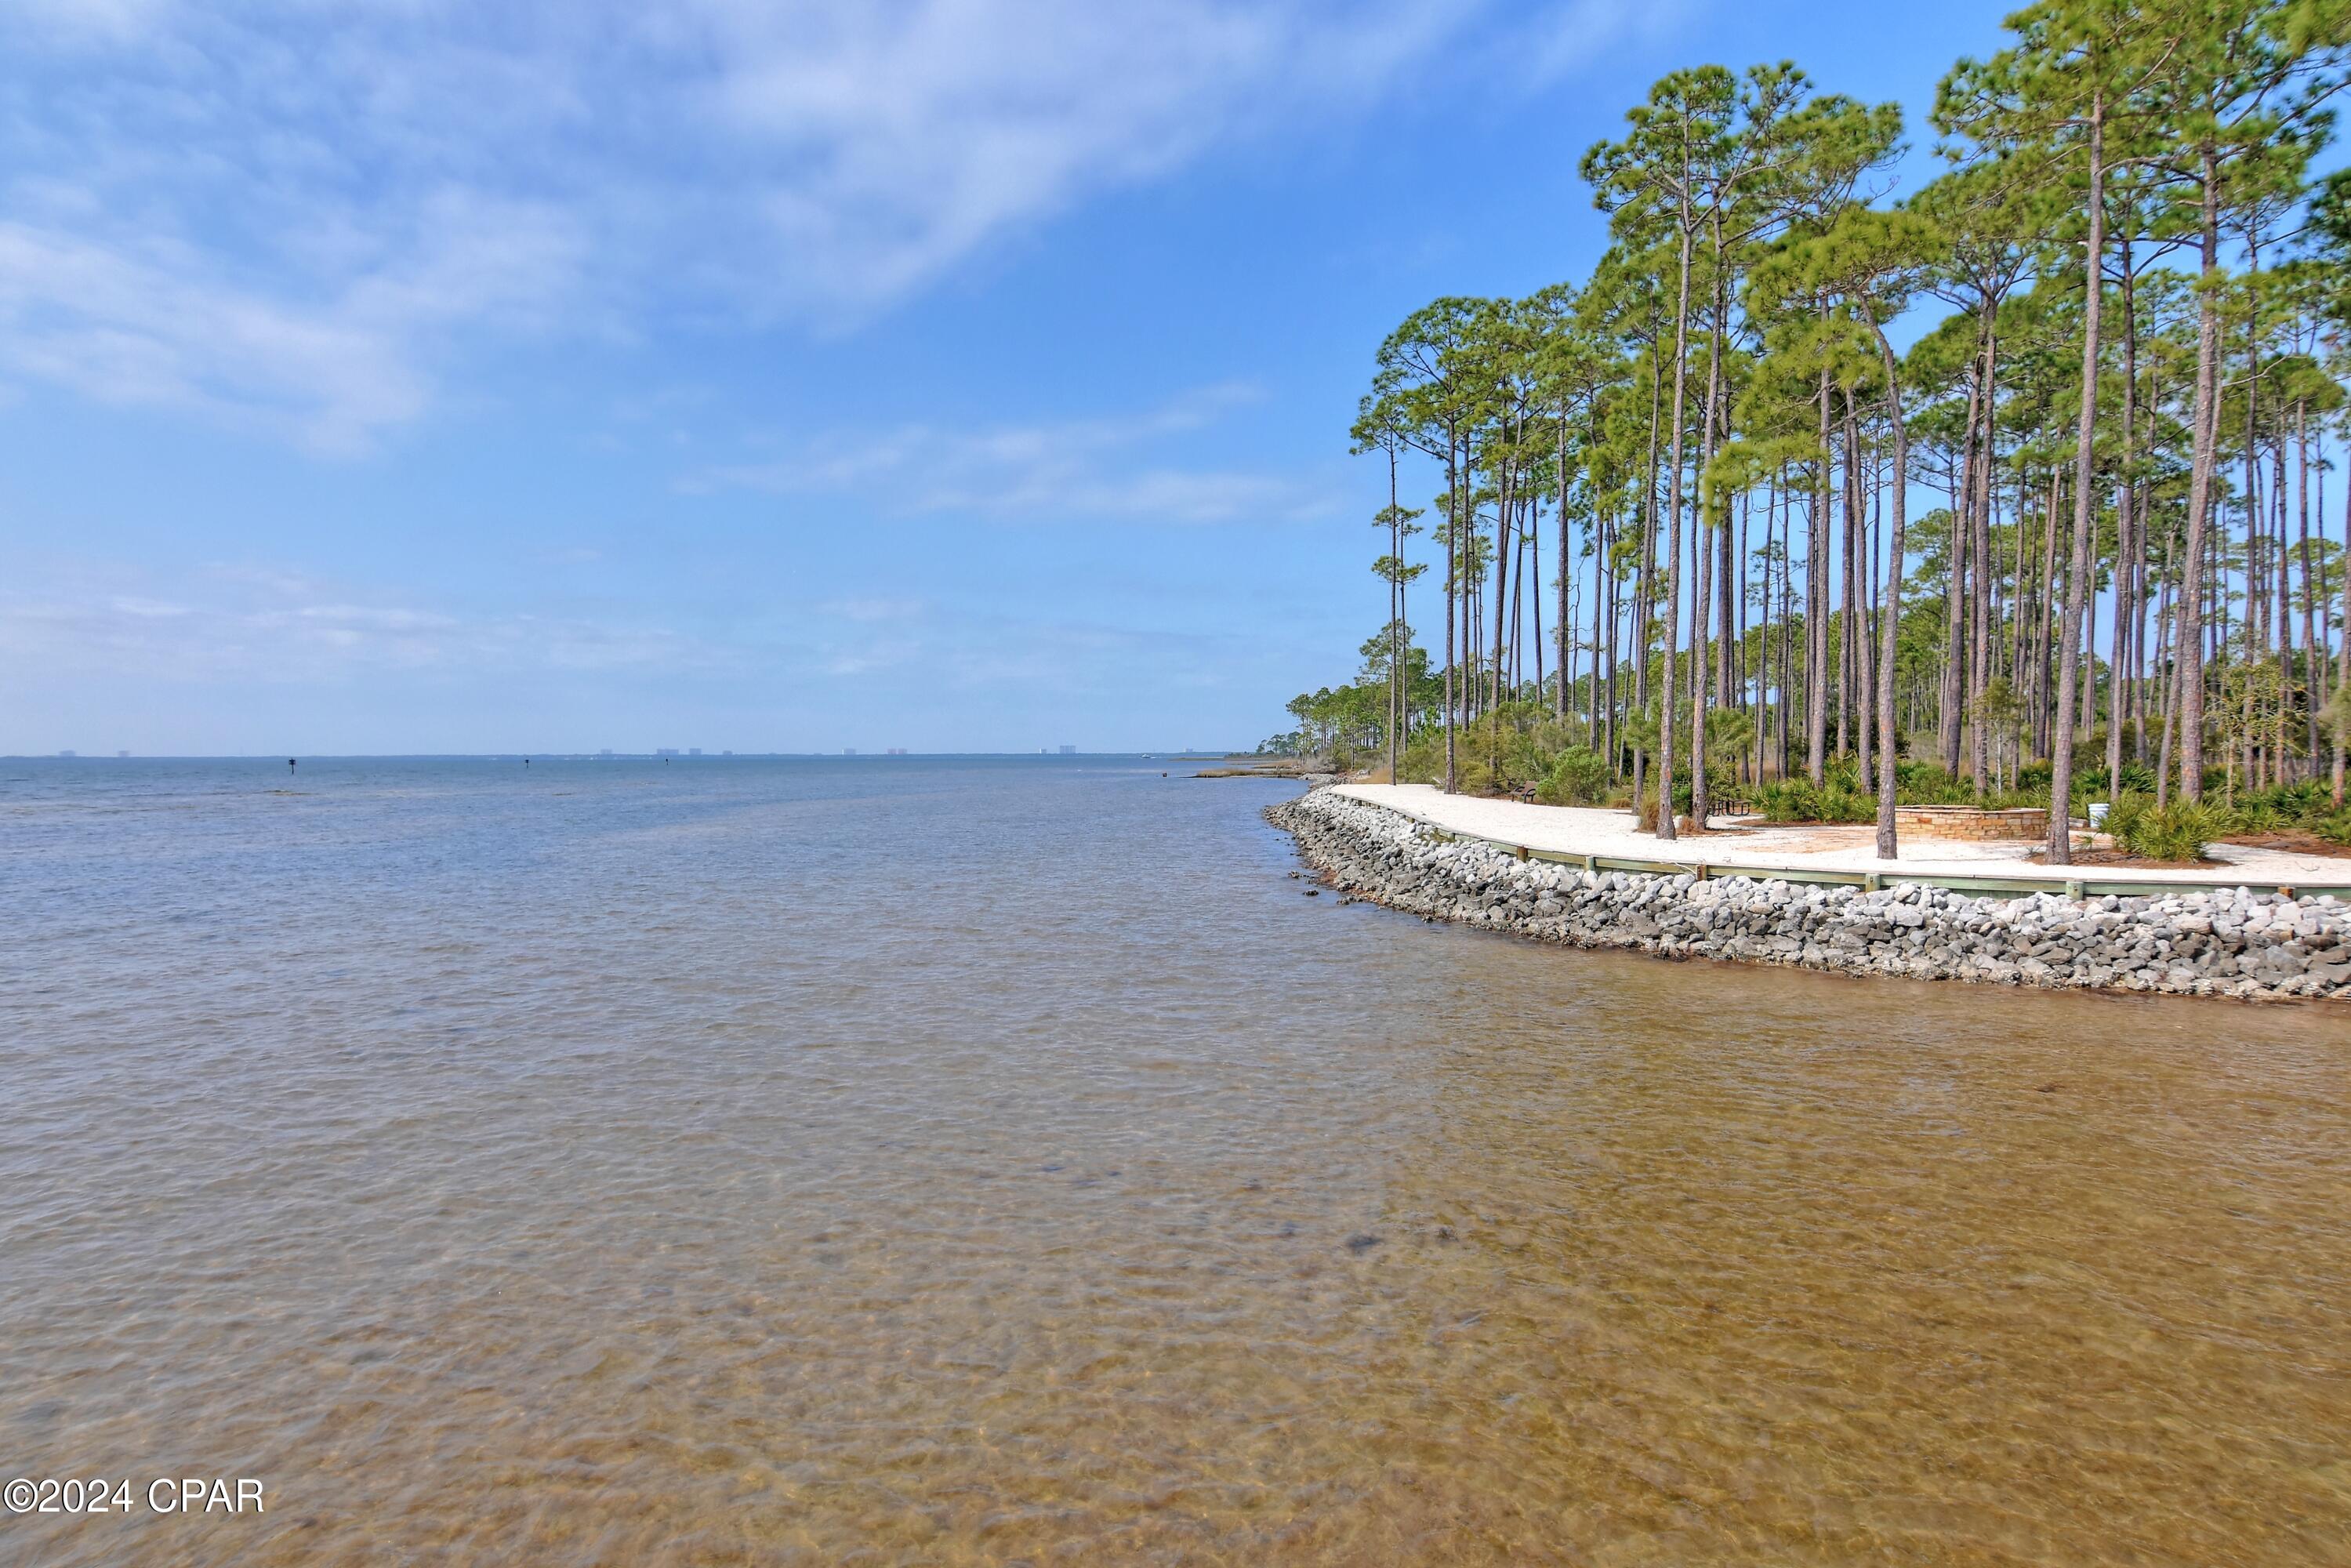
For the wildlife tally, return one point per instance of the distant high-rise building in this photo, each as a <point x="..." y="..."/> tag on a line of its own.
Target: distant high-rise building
<point x="1068" y="751"/>
<point x="122" y="754"/>
<point x="849" y="751"/>
<point x="730" y="754"/>
<point x="606" y="752"/>
<point x="895" y="751"/>
<point x="693" y="751"/>
<point x="64" y="754"/>
<point x="665" y="751"/>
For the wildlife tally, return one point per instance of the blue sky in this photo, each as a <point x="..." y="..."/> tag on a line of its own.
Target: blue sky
<point x="418" y="375"/>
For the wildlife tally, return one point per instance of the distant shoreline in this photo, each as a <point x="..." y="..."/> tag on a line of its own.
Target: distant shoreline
<point x="278" y="758"/>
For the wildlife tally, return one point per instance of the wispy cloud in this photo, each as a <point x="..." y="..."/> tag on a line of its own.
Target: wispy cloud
<point x="158" y="321"/>
<point x="284" y="628"/>
<point x="291" y="216"/>
<point x="970" y="653"/>
<point x="1106" y="469"/>
<point x="285" y="631"/>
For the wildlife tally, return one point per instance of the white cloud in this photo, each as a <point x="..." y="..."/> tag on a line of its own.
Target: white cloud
<point x="913" y="133"/>
<point x="159" y="322"/>
<point x="1086" y="469"/>
<point x="1564" y="39"/>
<point x="286" y="629"/>
<point x="291" y="215"/>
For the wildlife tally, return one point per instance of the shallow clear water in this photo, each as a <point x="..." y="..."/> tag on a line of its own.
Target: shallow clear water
<point x="838" y="1162"/>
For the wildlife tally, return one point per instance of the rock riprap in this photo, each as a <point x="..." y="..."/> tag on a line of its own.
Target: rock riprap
<point x="2229" y="943"/>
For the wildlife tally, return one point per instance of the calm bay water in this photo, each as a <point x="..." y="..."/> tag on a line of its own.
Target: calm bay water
<point x="874" y="1162"/>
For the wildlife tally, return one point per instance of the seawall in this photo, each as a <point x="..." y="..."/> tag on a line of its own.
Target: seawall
<point x="2255" y="947"/>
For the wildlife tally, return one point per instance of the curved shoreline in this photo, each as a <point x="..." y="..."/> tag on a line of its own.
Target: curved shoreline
<point x="2252" y="947"/>
<point x="1606" y="840"/>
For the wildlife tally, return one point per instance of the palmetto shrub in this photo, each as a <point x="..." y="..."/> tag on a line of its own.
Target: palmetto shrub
<point x="1796" y="800"/>
<point x="2295" y="805"/>
<point x="1839" y="804"/>
<point x="2257" y="817"/>
<point x="2179" y="832"/>
<point x="1786" y="800"/>
<point x="2125" y="815"/>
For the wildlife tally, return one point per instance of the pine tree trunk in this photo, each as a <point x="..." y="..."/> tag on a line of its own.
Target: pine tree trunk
<point x="1890" y="614"/>
<point x="1955" y="589"/>
<point x="1645" y="586"/>
<point x="1816" y="618"/>
<point x="1566" y="633"/>
<point x="1674" y="536"/>
<point x="1985" y="584"/>
<point x="2187" y="648"/>
<point x="2342" y="670"/>
<point x="2065" y="714"/>
<point x="1452" y="536"/>
<point x="2127" y="525"/>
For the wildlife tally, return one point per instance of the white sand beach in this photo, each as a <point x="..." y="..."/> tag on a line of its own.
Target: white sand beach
<point x="1594" y="831"/>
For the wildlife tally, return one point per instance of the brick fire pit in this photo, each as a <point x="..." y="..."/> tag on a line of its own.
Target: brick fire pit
<point x="1972" y="822"/>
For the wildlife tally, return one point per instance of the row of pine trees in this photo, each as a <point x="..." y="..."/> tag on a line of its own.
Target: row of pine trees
<point x="2078" y="525"/>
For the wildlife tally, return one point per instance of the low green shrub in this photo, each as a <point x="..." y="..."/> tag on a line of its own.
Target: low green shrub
<point x="1839" y="804"/>
<point x="2179" y="832"/>
<point x="2125" y="815"/>
<point x="1578" y="777"/>
<point x="1786" y="800"/>
<point x="1925" y="778"/>
<point x="1796" y="800"/>
<point x="1933" y="787"/>
<point x="1723" y="785"/>
<point x="2295" y="805"/>
<point x="2257" y="817"/>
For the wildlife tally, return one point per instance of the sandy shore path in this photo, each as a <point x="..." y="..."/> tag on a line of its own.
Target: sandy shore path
<point x="1592" y="830"/>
